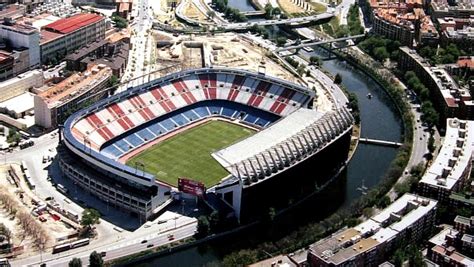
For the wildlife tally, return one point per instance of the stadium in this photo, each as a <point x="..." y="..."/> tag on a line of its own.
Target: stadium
<point x="246" y="136"/>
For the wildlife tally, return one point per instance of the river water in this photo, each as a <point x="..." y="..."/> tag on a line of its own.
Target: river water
<point x="243" y="5"/>
<point x="379" y="120"/>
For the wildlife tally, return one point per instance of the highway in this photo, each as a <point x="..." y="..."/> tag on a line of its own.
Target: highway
<point x="142" y="239"/>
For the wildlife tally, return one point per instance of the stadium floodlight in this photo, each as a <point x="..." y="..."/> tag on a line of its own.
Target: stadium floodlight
<point x="141" y="164"/>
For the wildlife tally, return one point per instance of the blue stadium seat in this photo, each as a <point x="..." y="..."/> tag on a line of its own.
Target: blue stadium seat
<point x="145" y="134"/>
<point x="157" y="129"/>
<point x="215" y="109"/>
<point x="112" y="150"/>
<point x="122" y="145"/>
<point x="180" y="120"/>
<point x="167" y="124"/>
<point x="202" y="111"/>
<point x="134" y="140"/>
<point x="228" y="112"/>
<point x="190" y="115"/>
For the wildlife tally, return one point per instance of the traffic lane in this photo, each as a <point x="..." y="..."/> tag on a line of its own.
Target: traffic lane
<point x="131" y="246"/>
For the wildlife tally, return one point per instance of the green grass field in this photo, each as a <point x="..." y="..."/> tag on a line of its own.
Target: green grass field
<point x="188" y="154"/>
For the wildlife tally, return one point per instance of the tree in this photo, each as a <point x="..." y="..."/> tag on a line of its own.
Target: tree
<point x="89" y="218"/>
<point x="113" y="81"/>
<point x="95" y="260"/>
<point x="367" y="212"/>
<point x="120" y="22"/>
<point x="315" y="60"/>
<point x="337" y="78"/>
<point x="203" y="227"/>
<point x="398" y="257"/>
<point x="280" y="40"/>
<point x="268" y="11"/>
<point x="384" y="202"/>
<point x="13" y="136"/>
<point x="380" y="53"/>
<point x="431" y="144"/>
<point x="75" y="262"/>
<point x="211" y="14"/>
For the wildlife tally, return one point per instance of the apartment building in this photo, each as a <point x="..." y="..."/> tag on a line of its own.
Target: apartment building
<point x="452" y="167"/>
<point x="408" y="219"/>
<point x="66" y="35"/>
<point x="54" y="104"/>
<point x="449" y="99"/>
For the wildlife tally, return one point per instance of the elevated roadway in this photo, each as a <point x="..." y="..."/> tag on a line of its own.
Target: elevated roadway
<point x="290" y="21"/>
<point x="314" y="43"/>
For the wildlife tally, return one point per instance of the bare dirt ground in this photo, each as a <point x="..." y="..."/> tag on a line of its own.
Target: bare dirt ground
<point x="191" y="11"/>
<point x="227" y="50"/>
<point x="289" y="7"/>
<point x="23" y="199"/>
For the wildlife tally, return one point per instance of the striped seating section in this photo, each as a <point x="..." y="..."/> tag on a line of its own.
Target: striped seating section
<point x="115" y="119"/>
<point x="192" y="113"/>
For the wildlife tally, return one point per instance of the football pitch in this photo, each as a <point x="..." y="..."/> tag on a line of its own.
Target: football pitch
<point x="188" y="154"/>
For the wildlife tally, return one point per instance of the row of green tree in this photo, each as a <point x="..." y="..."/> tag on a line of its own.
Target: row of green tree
<point x="443" y="54"/>
<point x="272" y="12"/>
<point x="380" y="48"/>
<point x="120" y="22"/>
<point x="230" y="13"/>
<point x="430" y="115"/>
<point x="353" y="20"/>
<point x="95" y="260"/>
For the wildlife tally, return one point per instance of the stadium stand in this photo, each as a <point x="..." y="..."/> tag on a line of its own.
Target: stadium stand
<point x="117" y="118"/>
<point x="290" y="132"/>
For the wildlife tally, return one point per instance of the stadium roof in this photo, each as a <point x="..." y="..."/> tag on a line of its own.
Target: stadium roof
<point x="68" y="25"/>
<point x="267" y="138"/>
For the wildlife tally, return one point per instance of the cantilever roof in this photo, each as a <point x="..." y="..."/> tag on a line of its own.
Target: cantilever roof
<point x="267" y="138"/>
<point x="73" y="23"/>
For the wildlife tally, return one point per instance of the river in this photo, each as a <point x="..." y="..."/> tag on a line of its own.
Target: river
<point x="242" y="5"/>
<point x="379" y="120"/>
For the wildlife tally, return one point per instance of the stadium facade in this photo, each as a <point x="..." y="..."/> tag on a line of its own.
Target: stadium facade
<point x="292" y="138"/>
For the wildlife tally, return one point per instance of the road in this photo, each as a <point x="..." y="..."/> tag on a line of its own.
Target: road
<point x="122" y="245"/>
<point x="293" y="21"/>
<point x="343" y="9"/>
<point x="141" y="56"/>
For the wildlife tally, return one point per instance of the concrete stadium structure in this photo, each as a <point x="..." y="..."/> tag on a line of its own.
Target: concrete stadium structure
<point x="291" y="136"/>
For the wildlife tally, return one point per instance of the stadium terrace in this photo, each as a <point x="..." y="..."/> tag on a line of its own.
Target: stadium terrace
<point x="283" y="132"/>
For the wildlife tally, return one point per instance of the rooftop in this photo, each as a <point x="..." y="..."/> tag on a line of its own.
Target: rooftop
<point x="463" y="220"/>
<point x="440" y="238"/>
<point x="454" y="156"/>
<point x="19" y="104"/>
<point x="466" y="62"/>
<point x="73" y="23"/>
<point x="349" y="243"/>
<point x="462" y="198"/>
<point x="74" y="86"/>
<point x="12" y="11"/>
<point x="5" y="57"/>
<point x="453" y="255"/>
<point x="20" y="28"/>
<point x="277" y="261"/>
<point x="267" y="138"/>
<point x="447" y="86"/>
<point x="47" y="36"/>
